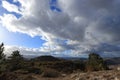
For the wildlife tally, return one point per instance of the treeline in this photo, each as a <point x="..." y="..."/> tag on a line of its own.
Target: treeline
<point x="17" y="63"/>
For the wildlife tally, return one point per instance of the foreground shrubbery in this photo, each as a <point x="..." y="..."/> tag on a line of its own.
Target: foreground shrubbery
<point x="64" y="66"/>
<point x="8" y="76"/>
<point x="14" y="76"/>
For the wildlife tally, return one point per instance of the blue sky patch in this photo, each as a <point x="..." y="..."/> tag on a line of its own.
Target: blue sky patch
<point x="19" y="39"/>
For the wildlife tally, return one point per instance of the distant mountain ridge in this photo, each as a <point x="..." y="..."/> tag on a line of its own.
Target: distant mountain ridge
<point x="73" y="58"/>
<point x="46" y="58"/>
<point x="113" y="61"/>
<point x="109" y="61"/>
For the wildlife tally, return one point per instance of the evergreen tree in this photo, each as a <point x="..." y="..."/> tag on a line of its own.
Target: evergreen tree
<point x="95" y="63"/>
<point x="2" y="55"/>
<point x="16" y="56"/>
<point x="2" y="58"/>
<point x="15" y="60"/>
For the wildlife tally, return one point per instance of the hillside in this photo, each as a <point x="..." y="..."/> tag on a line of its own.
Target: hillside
<point x="113" y="61"/>
<point x="46" y="58"/>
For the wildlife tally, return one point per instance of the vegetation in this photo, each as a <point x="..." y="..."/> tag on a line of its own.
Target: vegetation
<point x="46" y="66"/>
<point x="50" y="73"/>
<point x="2" y="58"/>
<point x="2" y="55"/>
<point x="15" y="61"/>
<point x="46" y="58"/>
<point x="95" y="63"/>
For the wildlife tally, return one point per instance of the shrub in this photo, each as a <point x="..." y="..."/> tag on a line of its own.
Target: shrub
<point x="50" y="73"/>
<point x="95" y="63"/>
<point x="8" y="76"/>
<point x="80" y="65"/>
<point x="21" y="71"/>
<point x="34" y="70"/>
<point x="28" y="77"/>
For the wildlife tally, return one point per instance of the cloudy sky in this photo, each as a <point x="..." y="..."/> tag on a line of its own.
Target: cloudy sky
<point x="64" y="28"/>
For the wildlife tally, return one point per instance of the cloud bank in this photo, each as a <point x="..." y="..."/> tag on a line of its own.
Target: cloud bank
<point x="80" y="27"/>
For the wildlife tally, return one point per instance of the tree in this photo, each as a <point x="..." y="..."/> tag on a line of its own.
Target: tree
<point x="2" y="58"/>
<point x="15" y="60"/>
<point x="2" y="55"/>
<point x="95" y="63"/>
<point x="16" y="55"/>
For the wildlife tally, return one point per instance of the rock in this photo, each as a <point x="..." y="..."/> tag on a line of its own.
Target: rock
<point x="118" y="68"/>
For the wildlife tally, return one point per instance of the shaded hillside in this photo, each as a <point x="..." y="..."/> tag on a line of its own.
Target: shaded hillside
<point x="74" y="58"/>
<point x="46" y="58"/>
<point x="58" y="64"/>
<point x="113" y="61"/>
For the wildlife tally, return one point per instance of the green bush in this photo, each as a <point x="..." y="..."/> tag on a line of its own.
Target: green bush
<point x="21" y="71"/>
<point x="95" y="63"/>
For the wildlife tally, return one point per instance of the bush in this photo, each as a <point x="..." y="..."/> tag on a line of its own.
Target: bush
<point x="3" y="68"/>
<point x="28" y="77"/>
<point x="34" y="70"/>
<point x="95" y="63"/>
<point x="50" y="73"/>
<point x="8" y="76"/>
<point x="21" y="71"/>
<point x="80" y="65"/>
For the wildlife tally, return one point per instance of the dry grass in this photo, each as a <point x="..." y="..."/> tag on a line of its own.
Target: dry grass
<point x="51" y="73"/>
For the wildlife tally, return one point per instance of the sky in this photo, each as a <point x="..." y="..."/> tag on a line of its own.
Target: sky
<point x="62" y="28"/>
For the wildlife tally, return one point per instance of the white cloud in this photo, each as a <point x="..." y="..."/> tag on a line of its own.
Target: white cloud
<point x="10" y="7"/>
<point x="84" y="24"/>
<point x="34" y="52"/>
<point x="25" y="51"/>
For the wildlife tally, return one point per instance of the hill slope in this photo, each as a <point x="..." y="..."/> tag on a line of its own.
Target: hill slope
<point x="46" y="58"/>
<point x="113" y="61"/>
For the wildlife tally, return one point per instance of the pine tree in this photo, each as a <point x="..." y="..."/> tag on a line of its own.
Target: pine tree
<point x="2" y="55"/>
<point x="15" y="60"/>
<point x="95" y="63"/>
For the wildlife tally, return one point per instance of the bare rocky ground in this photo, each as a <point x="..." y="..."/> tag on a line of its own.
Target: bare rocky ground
<point x="100" y="75"/>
